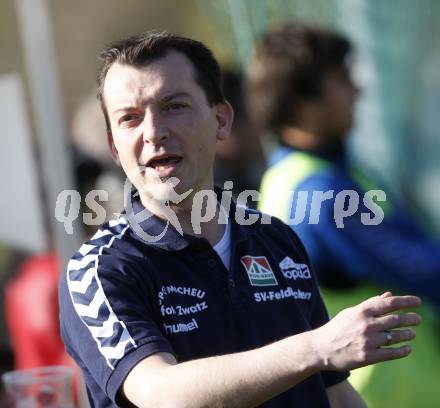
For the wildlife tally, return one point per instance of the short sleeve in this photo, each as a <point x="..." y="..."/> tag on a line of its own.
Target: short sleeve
<point x="106" y="321"/>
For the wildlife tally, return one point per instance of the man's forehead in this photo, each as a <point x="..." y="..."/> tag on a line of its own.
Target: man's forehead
<point x="172" y="73"/>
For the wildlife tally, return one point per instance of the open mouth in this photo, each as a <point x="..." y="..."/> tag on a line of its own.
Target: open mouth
<point x="164" y="162"/>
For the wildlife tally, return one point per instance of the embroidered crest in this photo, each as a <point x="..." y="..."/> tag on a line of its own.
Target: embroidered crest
<point x="259" y="271"/>
<point x="293" y="270"/>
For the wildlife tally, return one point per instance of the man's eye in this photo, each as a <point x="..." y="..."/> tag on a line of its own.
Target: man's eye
<point x="175" y="106"/>
<point x="128" y="120"/>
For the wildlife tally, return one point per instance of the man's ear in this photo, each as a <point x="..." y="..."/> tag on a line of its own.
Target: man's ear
<point x="111" y="145"/>
<point x="225" y="117"/>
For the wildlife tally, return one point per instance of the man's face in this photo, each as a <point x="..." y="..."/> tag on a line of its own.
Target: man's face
<point x="162" y="125"/>
<point x="337" y="102"/>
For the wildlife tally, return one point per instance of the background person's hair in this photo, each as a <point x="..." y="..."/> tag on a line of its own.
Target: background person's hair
<point x="139" y="50"/>
<point x="288" y="65"/>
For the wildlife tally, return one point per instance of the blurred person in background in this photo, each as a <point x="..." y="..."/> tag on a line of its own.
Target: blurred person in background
<point x="31" y="303"/>
<point x="300" y="88"/>
<point x="161" y="317"/>
<point x="95" y="168"/>
<point x="32" y="313"/>
<point x="31" y="293"/>
<point x="239" y="158"/>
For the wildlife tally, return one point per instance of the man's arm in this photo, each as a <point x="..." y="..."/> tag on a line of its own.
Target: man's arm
<point x="343" y="395"/>
<point x="244" y="379"/>
<point x="350" y="340"/>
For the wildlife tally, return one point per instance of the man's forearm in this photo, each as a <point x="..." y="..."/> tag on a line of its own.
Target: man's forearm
<point x="353" y="338"/>
<point x="244" y="379"/>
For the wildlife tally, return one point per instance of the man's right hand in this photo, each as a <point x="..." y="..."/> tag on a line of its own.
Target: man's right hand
<point x="356" y="336"/>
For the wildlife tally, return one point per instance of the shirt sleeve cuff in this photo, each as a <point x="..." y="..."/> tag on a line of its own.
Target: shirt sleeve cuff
<point x="334" y="377"/>
<point x="122" y="369"/>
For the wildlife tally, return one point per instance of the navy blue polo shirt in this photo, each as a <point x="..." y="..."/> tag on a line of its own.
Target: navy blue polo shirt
<point x="123" y="299"/>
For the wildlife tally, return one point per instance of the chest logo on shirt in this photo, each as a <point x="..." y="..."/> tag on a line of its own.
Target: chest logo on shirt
<point x="259" y="271"/>
<point x="293" y="270"/>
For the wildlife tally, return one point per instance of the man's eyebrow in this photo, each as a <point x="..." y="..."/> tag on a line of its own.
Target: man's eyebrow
<point x="167" y="98"/>
<point x="125" y="109"/>
<point x="174" y="95"/>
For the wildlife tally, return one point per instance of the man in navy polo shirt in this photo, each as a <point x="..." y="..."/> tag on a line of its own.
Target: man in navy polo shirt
<point x="186" y="299"/>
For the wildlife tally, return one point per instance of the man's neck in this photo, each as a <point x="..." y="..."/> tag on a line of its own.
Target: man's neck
<point x="190" y="218"/>
<point x="301" y="138"/>
<point x="312" y="141"/>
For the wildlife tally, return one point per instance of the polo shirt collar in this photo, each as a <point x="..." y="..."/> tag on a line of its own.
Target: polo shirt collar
<point x="144" y="221"/>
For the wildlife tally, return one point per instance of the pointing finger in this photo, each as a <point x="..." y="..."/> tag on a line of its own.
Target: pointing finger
<point x="379" y="305"/>
<point x="394" y="321"/>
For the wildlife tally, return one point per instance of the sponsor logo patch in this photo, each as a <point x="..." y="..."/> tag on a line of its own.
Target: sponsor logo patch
<point x="293" y="270"/>
<point x="181" y="327"/>
<point x="259" y="271"/>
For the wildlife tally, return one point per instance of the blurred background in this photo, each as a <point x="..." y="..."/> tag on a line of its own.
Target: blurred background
<point x="52" y="135"/>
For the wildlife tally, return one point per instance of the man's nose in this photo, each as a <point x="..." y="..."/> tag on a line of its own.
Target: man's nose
<point x="153" y="128"/>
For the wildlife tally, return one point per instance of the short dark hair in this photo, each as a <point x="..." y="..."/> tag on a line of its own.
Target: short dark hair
<point x="141" y="49"/>
<point x="288" y="65"/>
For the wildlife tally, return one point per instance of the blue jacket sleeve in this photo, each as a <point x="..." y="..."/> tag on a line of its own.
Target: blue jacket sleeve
<point x="395" y="252"/>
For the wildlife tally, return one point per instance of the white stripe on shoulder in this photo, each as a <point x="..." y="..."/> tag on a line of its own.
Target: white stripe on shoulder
<point x="89" y="299"/>
<point x="81" y="286"/>
<point x="106" y="330"/>
<point x="75" y="264"/>
<point x="86" y="248"/>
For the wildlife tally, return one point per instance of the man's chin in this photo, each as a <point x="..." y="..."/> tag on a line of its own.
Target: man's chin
<point x="161" y="193"/>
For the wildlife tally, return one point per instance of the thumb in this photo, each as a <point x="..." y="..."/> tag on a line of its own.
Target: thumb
<point x="386" y="294"/>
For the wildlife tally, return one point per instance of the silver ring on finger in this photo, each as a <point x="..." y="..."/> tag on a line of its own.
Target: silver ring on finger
<point x="388" y="337"/>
